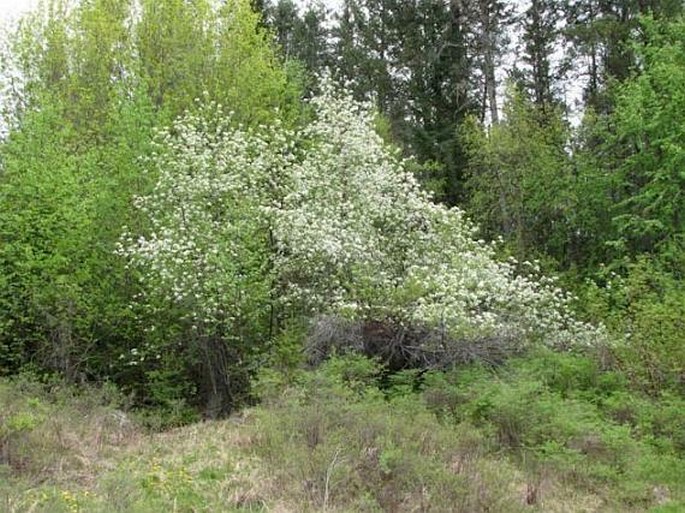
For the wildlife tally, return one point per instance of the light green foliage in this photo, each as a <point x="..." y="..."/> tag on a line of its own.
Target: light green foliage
<point x="73" y="58"/>
<point x="632" y="161"/>
<point x="45" y="231"/>
<point x="91" y="57"/>
<point x="251" y="219"/>
<point x="628" y="162"/>
<point x="646" y="306"/>
<point x="563" y="414"/>
<point x="188" y="50"/>
<point x="96" y="79"/>
<point x="62" y="211"/>
<point x="650" y="137"/>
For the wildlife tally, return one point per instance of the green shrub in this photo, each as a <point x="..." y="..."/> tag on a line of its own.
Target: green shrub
<point x="562" y="414"/>
<point x="341" y="445"/>
<point x="645" y="310"/>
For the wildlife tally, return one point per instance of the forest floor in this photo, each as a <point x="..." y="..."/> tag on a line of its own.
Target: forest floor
<point x="334" y="442"/>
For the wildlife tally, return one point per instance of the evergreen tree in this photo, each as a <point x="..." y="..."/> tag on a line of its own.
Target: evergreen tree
<point x="488" y="22"/>
<point x="283" y="18"/>
<point x="412" y="58"/>
<point x="439" y="91"/>
<point x="600" y="34"/>
<point x="647" y="145"/>
<point x="365" y="47"/>
<point x="301" y="36"/>
<point x="312" y="36"/>
<point x="540" y="39"/>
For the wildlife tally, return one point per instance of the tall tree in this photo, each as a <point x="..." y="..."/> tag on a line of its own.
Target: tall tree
<point x="540" y="37"/>
<point x="648" y="143"/>
<point x="365" y="46"/>
<point x="412" y="57"/>
<point x="600" y="33"/>
<point x="302" y="35"/>
<point x="520" y="181"/>
<point x="312" y="35"/>
<point x="283" y="18"/>
<point x="439" y="90"/>
<point x="488" y="21"/>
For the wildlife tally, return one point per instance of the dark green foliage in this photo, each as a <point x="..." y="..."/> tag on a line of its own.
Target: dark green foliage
<point x="413" y="59"/>
<point x="540" y="37"/>
<point x="609" y="194"/>
<point x="602" y="34"/>
<point x="301" y="34"/>
<point x="520" y="181"/>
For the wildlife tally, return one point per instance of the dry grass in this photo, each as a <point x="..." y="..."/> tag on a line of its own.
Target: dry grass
<point x="316" y="450"/>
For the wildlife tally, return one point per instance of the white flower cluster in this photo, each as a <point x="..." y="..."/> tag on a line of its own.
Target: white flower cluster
<point x="325" y="219"/>
<point x="206" y="235"/>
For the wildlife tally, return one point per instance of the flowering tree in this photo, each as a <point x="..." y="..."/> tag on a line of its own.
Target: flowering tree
<point x="323" y="220"/>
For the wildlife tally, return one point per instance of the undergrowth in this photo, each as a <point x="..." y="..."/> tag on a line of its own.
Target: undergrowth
<point x="549" y="433"/>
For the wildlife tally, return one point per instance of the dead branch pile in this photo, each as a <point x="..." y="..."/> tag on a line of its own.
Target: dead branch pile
<point x="400" y="346"/>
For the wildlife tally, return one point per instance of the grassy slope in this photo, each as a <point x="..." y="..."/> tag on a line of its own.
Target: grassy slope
<point x="548" y="434"/>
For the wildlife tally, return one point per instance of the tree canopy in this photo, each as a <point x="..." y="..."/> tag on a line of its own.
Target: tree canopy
<point x="187" y="186"/>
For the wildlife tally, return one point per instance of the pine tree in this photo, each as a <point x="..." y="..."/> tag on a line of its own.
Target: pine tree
<point x="600" y="34"/>
<point x="487" y="21"/>
<point x="540" y="38"/>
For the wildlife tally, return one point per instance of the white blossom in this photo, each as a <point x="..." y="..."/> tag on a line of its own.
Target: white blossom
<point x="323" y="219"/>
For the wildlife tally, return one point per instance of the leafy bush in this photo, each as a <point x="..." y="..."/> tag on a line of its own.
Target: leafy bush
<point x="645" y="307"/>
<point x="335" y="443"/>
<point x="94" y="85"/>
<point x="564" y="415"/>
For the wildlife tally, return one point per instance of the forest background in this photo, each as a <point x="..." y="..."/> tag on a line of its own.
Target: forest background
<point x="565" y="213"/>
